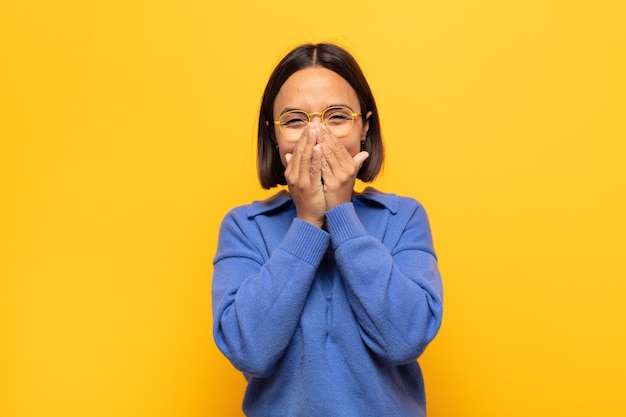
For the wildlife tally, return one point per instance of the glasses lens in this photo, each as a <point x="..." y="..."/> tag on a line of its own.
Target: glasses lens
<point x="292" y="124"/>
<point x="339" y="120"/>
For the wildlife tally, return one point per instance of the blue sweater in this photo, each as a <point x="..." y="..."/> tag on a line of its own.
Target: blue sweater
<point x="328" y="323"/>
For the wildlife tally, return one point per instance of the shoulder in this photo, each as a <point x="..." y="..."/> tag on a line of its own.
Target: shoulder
<point x="246" y="226"/>
<point x="256" y="208"/>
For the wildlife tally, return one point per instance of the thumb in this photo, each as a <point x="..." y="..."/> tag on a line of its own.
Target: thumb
<point x="288" y="157"/>
<point x="360" y="157"/>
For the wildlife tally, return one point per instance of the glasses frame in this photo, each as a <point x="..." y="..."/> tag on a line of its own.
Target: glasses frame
<point x="316" y="113"/>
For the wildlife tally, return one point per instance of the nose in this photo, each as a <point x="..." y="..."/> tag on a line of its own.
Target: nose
<point x="317" y="114"/>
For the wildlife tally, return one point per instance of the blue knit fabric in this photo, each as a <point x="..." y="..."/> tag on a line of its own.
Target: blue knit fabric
<point x="331" y="322"/>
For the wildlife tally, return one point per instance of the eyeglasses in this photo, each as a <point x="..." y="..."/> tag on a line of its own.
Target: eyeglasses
<point x="339" y="119"/>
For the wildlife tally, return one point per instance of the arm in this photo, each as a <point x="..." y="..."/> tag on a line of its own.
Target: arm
<point x="257" y="302"/>
<point x="395" y="294"/>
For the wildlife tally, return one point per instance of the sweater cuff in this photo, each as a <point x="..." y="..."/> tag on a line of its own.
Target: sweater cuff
<point x="344" y="224"/>
<point x="305" y="241"/>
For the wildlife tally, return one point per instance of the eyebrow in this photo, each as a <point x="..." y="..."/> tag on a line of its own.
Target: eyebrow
<point x="286" y="109"/>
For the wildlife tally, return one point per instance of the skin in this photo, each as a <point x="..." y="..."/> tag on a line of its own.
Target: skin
<point x="320" y="169"/>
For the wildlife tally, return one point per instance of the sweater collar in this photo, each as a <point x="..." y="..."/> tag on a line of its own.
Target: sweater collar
<point x="282" y="198"/>
<point x="276" y="201"/>
<point x="387" y="200"/>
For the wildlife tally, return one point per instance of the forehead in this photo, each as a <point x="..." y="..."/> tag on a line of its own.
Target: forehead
<point x="314" y="89"/>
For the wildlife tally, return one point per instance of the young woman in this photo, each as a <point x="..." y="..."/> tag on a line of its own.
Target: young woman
<point x="324" y="297"/>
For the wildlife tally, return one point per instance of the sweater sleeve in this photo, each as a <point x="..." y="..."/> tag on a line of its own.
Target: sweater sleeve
<point x="396" y="293"/>
<point x="257" y="302"/>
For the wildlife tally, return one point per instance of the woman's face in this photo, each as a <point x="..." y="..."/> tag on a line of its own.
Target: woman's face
<point x="315" y="89"/>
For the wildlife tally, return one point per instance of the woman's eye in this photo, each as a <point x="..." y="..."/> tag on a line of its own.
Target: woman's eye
<point x="295" y="120"/>
<point x="338" y="117"/>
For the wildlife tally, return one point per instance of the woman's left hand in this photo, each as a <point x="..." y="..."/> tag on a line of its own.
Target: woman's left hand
<point x="339" y="169"/>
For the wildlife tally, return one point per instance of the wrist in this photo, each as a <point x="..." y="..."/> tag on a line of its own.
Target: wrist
<point x="314" y="221"/>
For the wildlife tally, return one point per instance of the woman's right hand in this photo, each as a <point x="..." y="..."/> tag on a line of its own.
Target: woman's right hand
<point x="304" y="177"/>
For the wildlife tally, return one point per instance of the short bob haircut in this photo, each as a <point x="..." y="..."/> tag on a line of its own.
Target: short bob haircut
<point x="269" y="166"/>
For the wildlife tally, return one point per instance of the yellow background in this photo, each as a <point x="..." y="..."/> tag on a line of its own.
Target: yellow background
<point x="127" y="132"/>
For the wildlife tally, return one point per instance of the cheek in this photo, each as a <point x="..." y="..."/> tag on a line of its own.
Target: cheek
<point x="352" y="143"/>
<point x="285" y="147"/>
<point x="353" y="147"/>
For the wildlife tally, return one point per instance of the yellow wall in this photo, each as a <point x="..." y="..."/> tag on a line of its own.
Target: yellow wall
<point x="127" y="131"/>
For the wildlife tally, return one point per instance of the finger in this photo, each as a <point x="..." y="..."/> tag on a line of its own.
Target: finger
<point x="305" y="157"/>
<point x="334" y="151"/>
<point x="295" y="159"/>
<point x="316" y="164"/>
<point x="360" y="157"/>
<point x="326" y="172"/>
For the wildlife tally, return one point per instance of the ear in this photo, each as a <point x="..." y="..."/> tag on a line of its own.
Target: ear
<point x="272" y="135"/>
<point x="366" y="124"/>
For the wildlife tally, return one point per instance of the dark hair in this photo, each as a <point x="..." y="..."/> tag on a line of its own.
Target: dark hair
<point x="269" y="166"/>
